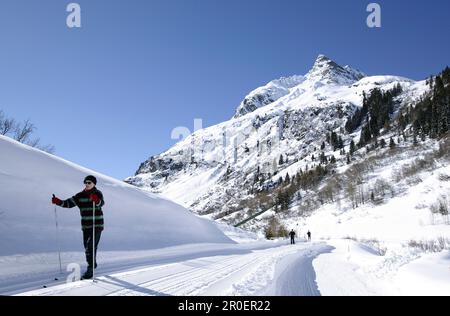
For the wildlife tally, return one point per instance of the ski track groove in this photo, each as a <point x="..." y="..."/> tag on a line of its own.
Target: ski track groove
<point x="163" y="279"/>
<point x="221" y="274"/>
<point x="180" y="285"/>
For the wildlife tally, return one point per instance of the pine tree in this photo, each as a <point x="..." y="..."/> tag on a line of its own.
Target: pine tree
<point x="281" y="161"/>
<point x="334" y="140"/>
<point x="392" y="143"/>
<point x="431" y="115"/>
<point x="366" y="135"/>
<point x="287" y="179"/>
<point x="402" y="122"/>
<point x="256" y="179"/>
<point x="323" y="146"/>
<point x="352" y="147"/>
<point x="340" y="142"/>
<point x="323" y="159"/>
<point x="261" y="179"/>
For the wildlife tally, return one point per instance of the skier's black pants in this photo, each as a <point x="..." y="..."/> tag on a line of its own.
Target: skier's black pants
<point x="292" y="241"/>
<point x="87" y="242"/>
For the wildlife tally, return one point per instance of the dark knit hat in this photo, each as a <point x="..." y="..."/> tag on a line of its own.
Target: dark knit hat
<point x="91" y="178"/>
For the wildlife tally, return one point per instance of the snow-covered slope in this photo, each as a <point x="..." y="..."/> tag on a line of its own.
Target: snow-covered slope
<point x="213" y="170"/>
<point x="134" y="219"/>
<point x="400" y="211"/>
<point x="267" y="94"/>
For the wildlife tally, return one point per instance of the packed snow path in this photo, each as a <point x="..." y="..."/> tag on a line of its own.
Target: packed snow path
<point x="276" y="270"/>
<point x="295" y="275"/>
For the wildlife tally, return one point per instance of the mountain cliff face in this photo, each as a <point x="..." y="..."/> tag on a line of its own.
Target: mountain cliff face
<point x="278" y="129"/>
<point x="324" y="70"/>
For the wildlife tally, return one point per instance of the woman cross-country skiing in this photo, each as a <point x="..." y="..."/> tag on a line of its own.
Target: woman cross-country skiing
<point x="84" y="200"/>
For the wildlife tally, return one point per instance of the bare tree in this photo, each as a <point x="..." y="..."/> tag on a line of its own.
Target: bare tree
<point x="329" y="191"/>
<point x="360" y="184"/>
<point x="34" y="142"/>
<point x="7" y="125"/>
<point x="351" y="193"/>
<point x="24" y="131"/>
<point x="47" y="148"/>
<point x="382" y="187"/>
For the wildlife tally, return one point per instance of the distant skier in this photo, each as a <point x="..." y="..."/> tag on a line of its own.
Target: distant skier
<point x="84" y="201"/>
<point x="292" y="234"/>
<point x="309" y="235"/>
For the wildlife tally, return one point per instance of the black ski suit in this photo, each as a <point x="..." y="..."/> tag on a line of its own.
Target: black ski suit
<point x="292" y="234"/>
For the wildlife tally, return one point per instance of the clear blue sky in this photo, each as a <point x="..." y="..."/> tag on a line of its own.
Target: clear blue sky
<point x="109" y="94"/>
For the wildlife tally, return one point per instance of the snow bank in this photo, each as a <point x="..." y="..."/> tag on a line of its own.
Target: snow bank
<point x="134" y="219"/>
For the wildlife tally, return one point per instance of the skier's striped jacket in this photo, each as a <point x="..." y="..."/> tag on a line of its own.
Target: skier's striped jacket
<point x="82" y="200"/>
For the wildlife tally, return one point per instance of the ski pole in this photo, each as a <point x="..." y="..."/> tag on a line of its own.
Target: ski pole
<point x="93" y="241"/>
<point x="57" y="240"/>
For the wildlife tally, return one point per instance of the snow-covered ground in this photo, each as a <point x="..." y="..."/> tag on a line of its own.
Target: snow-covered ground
<point x="152" y="246"/>
<point x="234" y="270"/>
<point x="354" y="268"/>
<point x="333" y="267"/>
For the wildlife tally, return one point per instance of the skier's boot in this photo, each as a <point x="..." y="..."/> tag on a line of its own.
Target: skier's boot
<point x="88" y="274"/>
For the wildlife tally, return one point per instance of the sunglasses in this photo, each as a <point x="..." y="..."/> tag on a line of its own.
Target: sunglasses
<point x="88" y="182"/>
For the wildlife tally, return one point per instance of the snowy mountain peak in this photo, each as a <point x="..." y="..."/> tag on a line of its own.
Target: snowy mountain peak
<point x="322" y="59"/>
<point x="267" y="94"/>
<point x="325" y="69"/>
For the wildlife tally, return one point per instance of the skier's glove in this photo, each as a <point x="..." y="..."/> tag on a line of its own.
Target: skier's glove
<point x="56" y="201"/>
<point x="94" y="198"/>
